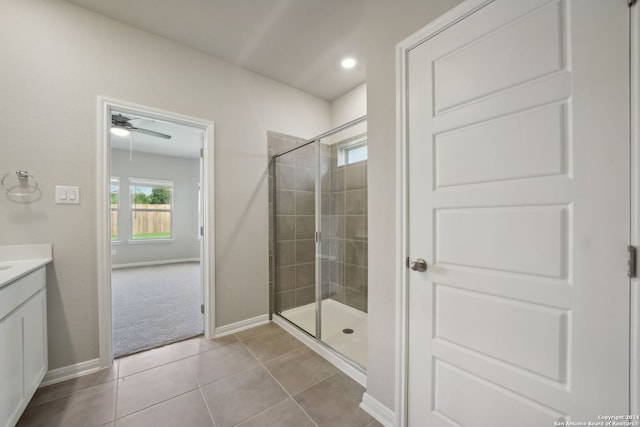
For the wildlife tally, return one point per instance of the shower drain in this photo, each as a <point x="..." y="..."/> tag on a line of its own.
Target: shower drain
<point x="347" y="331"/>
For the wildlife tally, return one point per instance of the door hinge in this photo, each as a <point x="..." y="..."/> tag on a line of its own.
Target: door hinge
<point x="631" y="2"/>
<point x="202" y="152"/>
<point x="202" y="230"/>
<point x="317" y="236"/>
<point x="407" y="263"/>
<point x="632" y="261"/>
<point x="202" y="308"/>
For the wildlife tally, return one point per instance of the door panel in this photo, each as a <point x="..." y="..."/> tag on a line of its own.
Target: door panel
<point x="518" y="182"/>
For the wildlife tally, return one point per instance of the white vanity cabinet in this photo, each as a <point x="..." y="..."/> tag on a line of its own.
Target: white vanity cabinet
<point x="23" y="343"/>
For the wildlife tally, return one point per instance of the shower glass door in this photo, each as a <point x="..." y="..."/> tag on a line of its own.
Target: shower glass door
<point x="294" y="236"/>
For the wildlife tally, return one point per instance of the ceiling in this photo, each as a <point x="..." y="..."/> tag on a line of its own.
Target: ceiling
<point x="296" y="42"/>
<point x="185" y="141"/>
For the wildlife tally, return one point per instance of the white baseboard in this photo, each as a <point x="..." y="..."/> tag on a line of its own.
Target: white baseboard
<point x="151" y="263"/>
<point x="71" y="371"/>
<point x="330" y="355"/>
<point x="232" y="328"/>
<point x="377" y="410"/>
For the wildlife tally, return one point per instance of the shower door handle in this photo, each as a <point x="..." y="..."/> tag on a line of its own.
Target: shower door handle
<point x="419" y="265"/>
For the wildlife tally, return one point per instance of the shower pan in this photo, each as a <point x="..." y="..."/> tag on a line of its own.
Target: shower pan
<point x="318" y="237"/>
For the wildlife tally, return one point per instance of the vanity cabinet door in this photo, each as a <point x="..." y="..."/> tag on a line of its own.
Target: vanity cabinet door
<point x="11" y="367"/>
<point x="35" y="341"/>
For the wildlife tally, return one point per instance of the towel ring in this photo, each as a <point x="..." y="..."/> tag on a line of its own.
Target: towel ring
<point x="22" y="187"/>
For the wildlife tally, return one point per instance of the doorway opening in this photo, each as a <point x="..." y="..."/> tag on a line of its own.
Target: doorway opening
<point x="154" y="221"/>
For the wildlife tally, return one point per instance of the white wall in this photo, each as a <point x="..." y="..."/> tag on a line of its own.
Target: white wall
<point x="388" y="23"/>
<point x="185" y="174"/>
<point x="349" y="106"/>
<point x="56" y="60"/>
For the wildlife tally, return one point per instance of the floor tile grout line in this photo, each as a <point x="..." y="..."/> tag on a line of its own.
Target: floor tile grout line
<point x="155" y="404"/>
<point x="288" y="394"/>
<point x="172" y="361"/>
<point x="278" y="382"/>
<point x="213" y="421"/>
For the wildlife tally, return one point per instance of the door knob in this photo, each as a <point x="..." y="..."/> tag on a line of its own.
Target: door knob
<point x="419" y="265"/>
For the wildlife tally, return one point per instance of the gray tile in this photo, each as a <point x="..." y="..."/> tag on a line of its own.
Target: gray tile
<point x="354" y="202"/>
<point x="336" y="274"/>
<point x="305" y="226"/>
<point x="266" y="329"/>
<point x="354" y="277"/>
<point x="305" y="179"/>
<point x="285" y="227"/>
<point x="354" y="298"/>
<point x="188" y="409"/>
<point x="325" y="181"/>
<point x="305" y="295"/>
<point x="284" y="414"/>
<point x="305" y="275"/>
<point x="354" y="227"/>
<point x="337" y="226"/>
<point x="305" y="203"/>
<point x="147" y="388"/>
<point x="285" y="177"/>
<point x="334" y="402"/>
<point x="90" y="407"/>
<point x="337" y="292"/>
<point x="337" y="179"/>
<point x="221" y="362"/>
<point x="306" y="156"/>
<point x="65" y="388"/>
<point x="325" y="204"/>
<point x="355" y="177"/>
<point x="200" y="344"/>
<point x="285" y="202"/>
<point x="271" y="344"/>
<point x="150" y="359"/>
<point x="285" y="300"/>
<point x="305" y="251"/>
<point x="239" y="397"/>
<point x="337" y="203"/>
<point x="299" y="369"/>
<point x="285" y="253"/>
<point x="286" y="278"/>
<point x="354" y="252"/>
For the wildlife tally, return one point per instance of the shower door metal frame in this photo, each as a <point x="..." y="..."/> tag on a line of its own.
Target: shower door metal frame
<point x="318" y="233"/>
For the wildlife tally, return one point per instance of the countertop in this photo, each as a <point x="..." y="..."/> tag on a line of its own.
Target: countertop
<point x="17" y="261"/>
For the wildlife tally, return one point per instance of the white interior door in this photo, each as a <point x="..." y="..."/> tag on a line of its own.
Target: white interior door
<point x="518" y="198"/>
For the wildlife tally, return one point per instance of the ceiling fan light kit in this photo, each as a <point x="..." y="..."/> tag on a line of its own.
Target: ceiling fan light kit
<point x="121" y="126"/>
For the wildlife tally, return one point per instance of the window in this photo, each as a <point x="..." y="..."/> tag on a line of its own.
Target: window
<point x="115" y="203"/>
<point x="352" y="152"/>
<point x="151" y="209"/>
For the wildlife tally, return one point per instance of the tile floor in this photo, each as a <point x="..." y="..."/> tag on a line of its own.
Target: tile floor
<point x="259" y="377"/>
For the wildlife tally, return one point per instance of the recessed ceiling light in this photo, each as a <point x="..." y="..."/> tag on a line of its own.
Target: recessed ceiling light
<point x="119" y="131"/>
<point x="348" y="63"/>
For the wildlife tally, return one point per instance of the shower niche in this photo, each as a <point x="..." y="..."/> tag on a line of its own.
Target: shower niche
<point x="318" y="236"/>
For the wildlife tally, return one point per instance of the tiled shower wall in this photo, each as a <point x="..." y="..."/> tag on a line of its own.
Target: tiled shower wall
<point x="293" y="242"/>
<point x="343" y="225"/>
<point x="348" y="232"/>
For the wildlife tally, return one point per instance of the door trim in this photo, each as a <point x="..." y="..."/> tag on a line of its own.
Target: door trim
<point x="634" y="377"/>
<point x="402" y="185"/>
<point x="105" y="106"/>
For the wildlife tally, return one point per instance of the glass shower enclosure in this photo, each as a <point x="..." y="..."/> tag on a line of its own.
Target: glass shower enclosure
<point x="319" y="238"/>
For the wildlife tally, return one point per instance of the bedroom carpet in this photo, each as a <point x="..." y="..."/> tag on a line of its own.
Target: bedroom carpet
<point x="155" y="305"/>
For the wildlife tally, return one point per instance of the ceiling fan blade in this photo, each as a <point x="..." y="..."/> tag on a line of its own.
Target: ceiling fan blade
<point x="152" y="133"/>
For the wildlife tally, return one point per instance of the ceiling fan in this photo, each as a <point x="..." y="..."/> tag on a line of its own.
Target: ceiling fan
<point x="121" y="126"/>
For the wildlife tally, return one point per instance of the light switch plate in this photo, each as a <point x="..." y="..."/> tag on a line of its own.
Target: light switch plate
<point x="67" y="195"/>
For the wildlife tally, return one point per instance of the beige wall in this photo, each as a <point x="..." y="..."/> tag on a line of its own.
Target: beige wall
<point x="388" y="23"/>
<point x="56" y="60"/>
